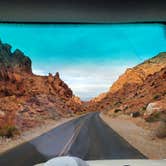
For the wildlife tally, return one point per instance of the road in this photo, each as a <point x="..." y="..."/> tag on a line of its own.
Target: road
<point x="87" y="137"/>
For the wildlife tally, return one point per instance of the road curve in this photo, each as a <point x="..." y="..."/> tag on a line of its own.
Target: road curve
<point x="87" y="137"/>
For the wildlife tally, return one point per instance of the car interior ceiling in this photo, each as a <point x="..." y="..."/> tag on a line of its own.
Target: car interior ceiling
<point x="82" y="11"/>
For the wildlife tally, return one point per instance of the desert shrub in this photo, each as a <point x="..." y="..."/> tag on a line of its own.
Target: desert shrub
<point x="156" y="97"/>
<point x="117" y="110"/>
<point x="143" y="109"/>
<point x="126" y="107"/>
<point x="154" y="117"/>
<point x="141" y="96"/>
<point x="79" y="113"/>
<point x="118" y="103"/>
<point x="8" y="131"/>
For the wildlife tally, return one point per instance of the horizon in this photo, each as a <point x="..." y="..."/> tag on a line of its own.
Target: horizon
<point x="89" y="58"/>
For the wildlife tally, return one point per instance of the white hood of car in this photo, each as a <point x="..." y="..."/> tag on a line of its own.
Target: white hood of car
<point x="140" y="162"/>
<point x="128" y="163"/>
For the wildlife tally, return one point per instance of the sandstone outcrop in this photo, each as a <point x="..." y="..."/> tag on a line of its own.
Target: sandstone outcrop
<point x="138" y="74"/>
<point x="136" y="88"/>
<point x="27" y="99"/>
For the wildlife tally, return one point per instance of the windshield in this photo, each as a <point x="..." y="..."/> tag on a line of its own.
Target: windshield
<point x="93" y="91"/>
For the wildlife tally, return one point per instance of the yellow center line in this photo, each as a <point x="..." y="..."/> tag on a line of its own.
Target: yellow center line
<point x="71" y="140"/>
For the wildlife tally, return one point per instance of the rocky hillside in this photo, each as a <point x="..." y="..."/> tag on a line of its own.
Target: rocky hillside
<point x="27" y="99"/>
<point x="13" y="62"/>
<point x="139" y="73"/>
<point x="136" y="88"/>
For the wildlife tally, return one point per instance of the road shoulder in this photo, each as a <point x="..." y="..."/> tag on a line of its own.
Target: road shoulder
<point x="140" y="138"/>
<point x="6" y="144"/>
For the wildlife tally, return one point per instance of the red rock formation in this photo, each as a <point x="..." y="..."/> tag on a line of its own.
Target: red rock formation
<point x="138" y="74"/>
<point x="27" y="99"/>
<point x="135" y="88"/>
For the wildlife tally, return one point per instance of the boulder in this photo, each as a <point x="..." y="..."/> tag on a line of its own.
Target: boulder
<point x="160" y="132"/>
<point x="156" y="111"/>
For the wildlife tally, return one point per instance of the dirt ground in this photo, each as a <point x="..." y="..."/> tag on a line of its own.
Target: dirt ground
<point x="138" y="133"/>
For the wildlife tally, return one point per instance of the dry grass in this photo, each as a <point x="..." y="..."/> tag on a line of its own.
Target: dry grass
<point x="8" y="131"/>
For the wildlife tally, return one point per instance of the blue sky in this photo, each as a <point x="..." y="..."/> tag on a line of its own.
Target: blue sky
<point x="89" y="57"/>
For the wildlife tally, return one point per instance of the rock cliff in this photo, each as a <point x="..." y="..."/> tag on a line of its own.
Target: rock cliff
<point x="27" y="99"/>
<point x="136" y="88"/>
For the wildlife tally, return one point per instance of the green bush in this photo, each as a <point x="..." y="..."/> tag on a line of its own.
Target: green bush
<point x="8" y="131"/>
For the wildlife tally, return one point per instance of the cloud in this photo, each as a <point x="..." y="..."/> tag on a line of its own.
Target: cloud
<point x="39" y="72"/>
<point x="88" y="81"/>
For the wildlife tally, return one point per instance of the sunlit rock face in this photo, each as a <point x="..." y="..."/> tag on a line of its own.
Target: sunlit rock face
<point x="27" y="99"/>
<point x="136" y="88"/>
<point x="138" y="74"/>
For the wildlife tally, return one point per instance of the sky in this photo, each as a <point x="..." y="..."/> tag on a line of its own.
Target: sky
<point x="88" y="57"/>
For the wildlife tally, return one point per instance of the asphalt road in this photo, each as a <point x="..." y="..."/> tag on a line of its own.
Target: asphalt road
<point x="87" y="137"/>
